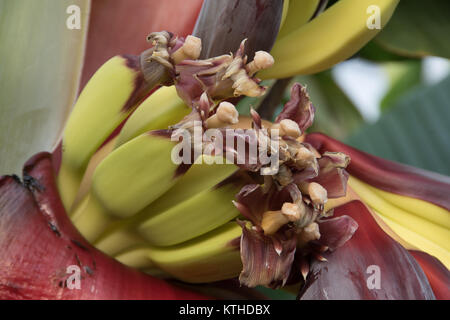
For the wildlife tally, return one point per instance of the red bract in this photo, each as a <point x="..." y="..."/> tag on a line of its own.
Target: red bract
<point x="437" y="274"/>
<point x="387" y="175"/>
<point x="38" y="242"/>
<point x="346" y="273"/>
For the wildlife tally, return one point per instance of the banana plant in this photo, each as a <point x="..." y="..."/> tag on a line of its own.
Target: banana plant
<point x="325" y="220"/>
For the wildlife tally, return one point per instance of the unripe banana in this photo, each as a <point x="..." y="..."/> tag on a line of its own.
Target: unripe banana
<point x="212" y="257"/>
<point x="135" y="174"/>
<point x="90" y="217"/>
<point x="284" y="13"/>
<point x="126" y="181"/>
<point x="298" y="14"/>
<point x="108" y="98"/>
<point x="198" y="180"/>
<point x="191" y="218"/>
<point x="160" y="110"/>
<point x="335" y="35"/>
<point x="137" y="257"/>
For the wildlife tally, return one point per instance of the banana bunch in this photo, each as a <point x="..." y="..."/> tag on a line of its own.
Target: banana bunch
<point x="110" y="96"/>
<point x="128" y="197"/>
<point x="135" y="203"/>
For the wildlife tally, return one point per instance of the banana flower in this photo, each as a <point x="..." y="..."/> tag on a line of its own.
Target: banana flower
<point x="326" y="219"/>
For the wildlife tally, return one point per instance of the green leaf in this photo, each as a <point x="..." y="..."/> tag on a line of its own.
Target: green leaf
<point x="404" y="76"/>
<point x="41" y="61"/>
<point x="374" y="52"/>
<point x="416" y="131"/>
<point x="418" y="28"/>
<point x="335" y="115"/>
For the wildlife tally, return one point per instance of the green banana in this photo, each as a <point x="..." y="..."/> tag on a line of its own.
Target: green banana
<point x="160" y="110"/>
<point x="328" y="39"/>
<point x="108" y="98"/>
<point x="212" y="257"/>
<point x="284" y="13"/>
<point x="191" y="218"/>
<point x="137" y="257"/>
<point x="198" y="180"/>
<point x="90" y="217"/>
<point x="134" y="175"/>
<point x="298" y="14"/>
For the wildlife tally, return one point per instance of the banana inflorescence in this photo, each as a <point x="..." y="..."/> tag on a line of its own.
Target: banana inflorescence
<point x="176" y="220"/>
<point x="137" y="204"/>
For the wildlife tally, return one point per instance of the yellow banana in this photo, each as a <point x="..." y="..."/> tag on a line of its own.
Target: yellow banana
<point x="299" y="12"/>
<point x="109" y="96"/>
<point x="160" y="110"/>
<point x="335" y="35"/>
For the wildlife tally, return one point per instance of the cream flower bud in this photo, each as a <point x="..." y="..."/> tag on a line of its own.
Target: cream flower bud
<point x="226" y="114"/>
<point x="190" y="50"/>
<point x="292" y="211"/>
<point x="317" y="193"/>
<point x="289" y="128"/>
<point x="272" y="221"/>
<point x="262" y="60"/>
<point x="309" y="233"/>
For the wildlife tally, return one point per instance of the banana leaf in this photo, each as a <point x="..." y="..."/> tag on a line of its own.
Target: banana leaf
<point x="414" y="131"/>
<point x="418" y="28"/>
<point x="404" y="76"/>
<point x="41" y="61"/>
<point x="45" y="64"/>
